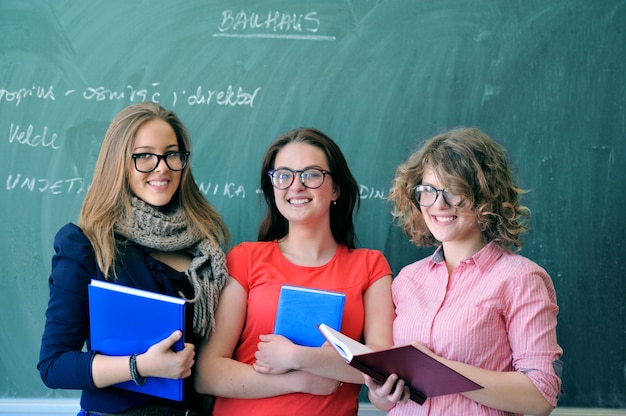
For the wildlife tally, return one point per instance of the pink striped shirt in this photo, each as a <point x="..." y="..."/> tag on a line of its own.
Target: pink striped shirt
<point x="496" y="311"/>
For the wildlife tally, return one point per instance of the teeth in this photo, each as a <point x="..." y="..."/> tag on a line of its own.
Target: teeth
<point x="445" y="219"/>
<point x="158" y="183"/>
<point x="298" y="201"/>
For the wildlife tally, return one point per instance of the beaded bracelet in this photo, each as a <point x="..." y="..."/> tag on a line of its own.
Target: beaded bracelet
<point x="140" y="381"/>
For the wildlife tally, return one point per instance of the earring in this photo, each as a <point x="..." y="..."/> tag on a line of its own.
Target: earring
<point x="335" y="202"/>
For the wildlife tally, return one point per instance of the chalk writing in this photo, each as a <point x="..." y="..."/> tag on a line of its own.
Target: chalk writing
<point x="134" y="94"/>
<point x="78" y="186"/>
<point x="230" y="96"/>
<point x="226" y="98"/>
<point x="273" y="24"/>
<point x="33" y="140"/>
<point x="228" y="189"/>
<point x="16" y="96"/>
<point x="274" y="21"/>
<point x="366" y="192"/>
<point x="42" y="185"/>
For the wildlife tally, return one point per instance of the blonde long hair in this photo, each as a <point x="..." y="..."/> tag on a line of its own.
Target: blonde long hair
<point x="108" y="197"/>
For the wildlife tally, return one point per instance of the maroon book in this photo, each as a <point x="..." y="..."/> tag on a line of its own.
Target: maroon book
<point x="424" y="376"/>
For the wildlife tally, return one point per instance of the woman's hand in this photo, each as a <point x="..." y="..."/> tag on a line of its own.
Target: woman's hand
<point x="161" y="361"/>
<point x="312" y="384"/>
<point x="274" y="355"/>
<point x="158" y="361"/>
<point x="385" y="396"/>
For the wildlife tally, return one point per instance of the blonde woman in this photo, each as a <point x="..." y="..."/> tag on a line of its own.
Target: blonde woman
<point x="143" y="224"/>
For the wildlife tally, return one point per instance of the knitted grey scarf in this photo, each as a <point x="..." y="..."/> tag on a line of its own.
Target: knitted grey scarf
<point x="173" y="231"/>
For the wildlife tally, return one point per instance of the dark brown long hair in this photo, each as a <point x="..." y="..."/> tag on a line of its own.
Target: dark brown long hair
<point x="274" y="226"/>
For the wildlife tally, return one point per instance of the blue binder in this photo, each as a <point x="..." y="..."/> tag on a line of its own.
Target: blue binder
<point x="301" y="309"/>
<point x="126" y="320"/>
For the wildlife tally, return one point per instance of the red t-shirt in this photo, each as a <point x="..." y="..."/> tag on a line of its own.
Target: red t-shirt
<point x="261" y="269"/>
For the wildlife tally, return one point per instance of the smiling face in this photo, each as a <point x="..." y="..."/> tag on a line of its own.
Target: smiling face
<point x="298" y="203"/>
<point x="453" y="226"/>
<point x="159" y="186"/>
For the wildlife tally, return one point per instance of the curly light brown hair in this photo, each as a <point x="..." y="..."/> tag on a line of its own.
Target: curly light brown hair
<point x="469" y="164"/>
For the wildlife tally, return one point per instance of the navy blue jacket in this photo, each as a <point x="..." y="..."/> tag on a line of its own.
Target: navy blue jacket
<point x="63" y="363"/>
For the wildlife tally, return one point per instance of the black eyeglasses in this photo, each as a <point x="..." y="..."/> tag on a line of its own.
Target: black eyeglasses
<point x="426" y="196"/>
<point x="147" y="162"/>
<point x="312" y="178"/>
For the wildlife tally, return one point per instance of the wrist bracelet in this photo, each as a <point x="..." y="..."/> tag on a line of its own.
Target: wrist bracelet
<point x="140" y="381"/>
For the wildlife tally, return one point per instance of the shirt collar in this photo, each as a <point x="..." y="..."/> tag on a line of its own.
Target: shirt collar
<point x="483" y="259"/>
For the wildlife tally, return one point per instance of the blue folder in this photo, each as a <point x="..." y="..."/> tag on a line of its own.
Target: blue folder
<point x="301" y="309"/>
<point x="126" y="320"/>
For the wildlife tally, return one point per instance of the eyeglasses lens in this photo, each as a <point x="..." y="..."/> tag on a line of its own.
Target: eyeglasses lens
<point x="283" y="178"/>
<point x="426" y="196"/>
<point x="147" y="162"/>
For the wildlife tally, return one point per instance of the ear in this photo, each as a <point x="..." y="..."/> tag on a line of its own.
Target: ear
<point x="336" y="195"/>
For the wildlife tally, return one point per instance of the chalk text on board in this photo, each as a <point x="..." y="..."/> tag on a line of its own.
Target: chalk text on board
<point x="35" y="91"/>
<point x="273" y="24"/>
<point x="225" y="98"/>
<point x="229" y="189"/>
<point x="72" y="185"/>
<point x="78" y="186"/>
<point x="274" y="21"/>
<point x="33" y="140"/>
<point x="229" y="97"/>
<point x="366" y="192"/>
<point x="134" y="94"/>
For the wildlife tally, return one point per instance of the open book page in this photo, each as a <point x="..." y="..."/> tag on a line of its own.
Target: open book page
<point x="344" y="345"/>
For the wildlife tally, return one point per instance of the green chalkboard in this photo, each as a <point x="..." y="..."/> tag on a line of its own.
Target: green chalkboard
<point x="545" y="78"/>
